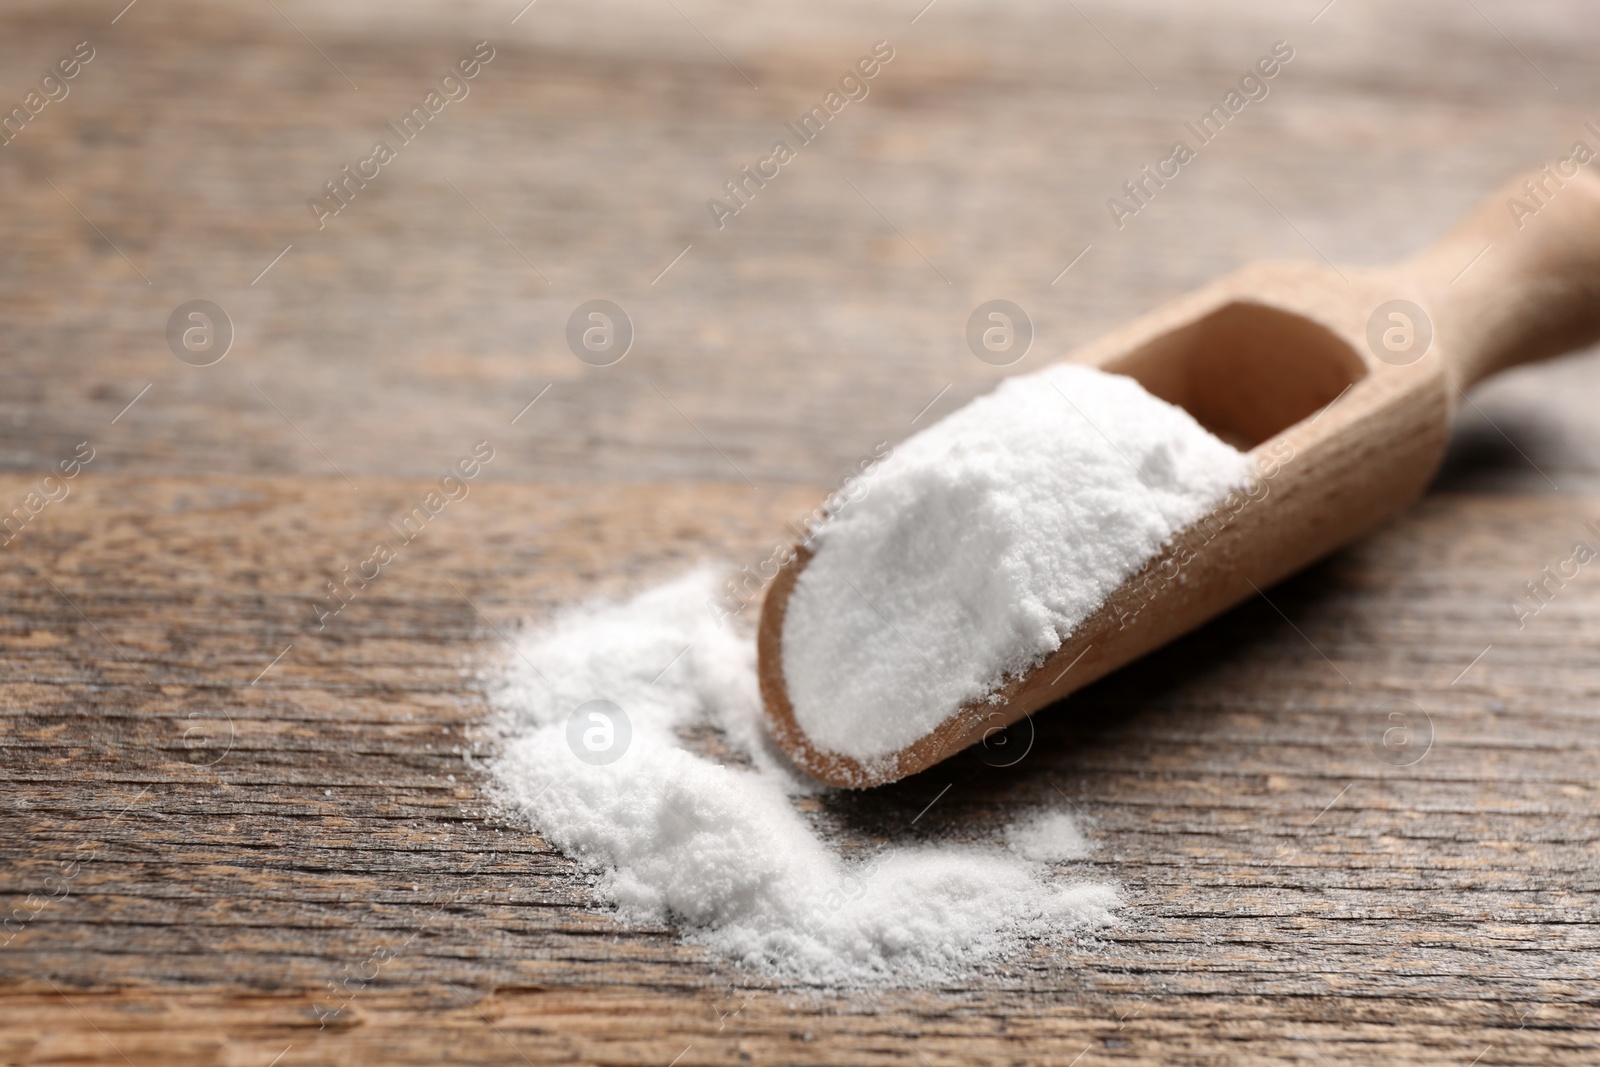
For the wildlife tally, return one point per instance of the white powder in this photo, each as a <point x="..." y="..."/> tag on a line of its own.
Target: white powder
<point x="1049" y="837"/>
<point x="722" y="850"/>
<point x="981" y="543"/>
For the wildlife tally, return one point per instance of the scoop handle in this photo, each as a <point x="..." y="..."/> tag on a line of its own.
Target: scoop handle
<point x="1518" y="279"/>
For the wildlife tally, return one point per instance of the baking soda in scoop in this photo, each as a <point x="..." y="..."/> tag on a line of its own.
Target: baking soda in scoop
<point x="980" y="545"/>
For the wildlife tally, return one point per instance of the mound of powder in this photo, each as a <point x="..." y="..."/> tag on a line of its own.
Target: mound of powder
<point x="981" y="543"/>
<point x="720" y="848"/>
<point x="1049" y="837"/>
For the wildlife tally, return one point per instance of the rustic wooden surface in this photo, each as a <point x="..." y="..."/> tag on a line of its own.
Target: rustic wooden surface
<point x="248" y="830"/>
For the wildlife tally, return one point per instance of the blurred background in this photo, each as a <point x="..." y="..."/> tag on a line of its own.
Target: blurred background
<point x="819" y="320"/>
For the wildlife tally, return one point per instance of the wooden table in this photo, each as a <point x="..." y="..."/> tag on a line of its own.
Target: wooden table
<point x="213" y="810"/>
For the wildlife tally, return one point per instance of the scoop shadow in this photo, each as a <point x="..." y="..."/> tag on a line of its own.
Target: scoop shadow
<point x="1480" y="459"/>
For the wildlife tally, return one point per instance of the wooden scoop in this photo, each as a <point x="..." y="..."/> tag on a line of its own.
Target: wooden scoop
<point x="1342" y="385"/>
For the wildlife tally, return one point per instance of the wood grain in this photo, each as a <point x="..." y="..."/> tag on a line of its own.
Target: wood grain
<point x="261" y="829"/>
<point x="1286" y="884"/>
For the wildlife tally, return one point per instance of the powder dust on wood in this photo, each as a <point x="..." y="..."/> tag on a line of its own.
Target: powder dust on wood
<point x="720" y="848"/>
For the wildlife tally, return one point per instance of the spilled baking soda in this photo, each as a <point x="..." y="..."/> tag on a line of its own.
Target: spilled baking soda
<point x="630" y="735"/>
